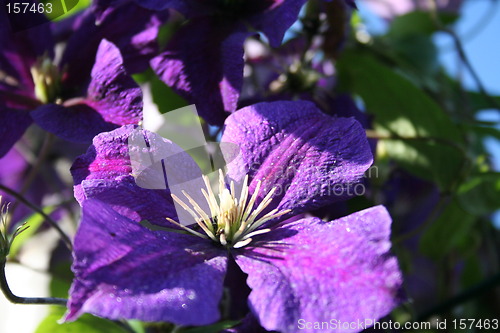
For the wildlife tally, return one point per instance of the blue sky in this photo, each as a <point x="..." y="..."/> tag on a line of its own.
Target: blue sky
<point x="479" y="30"/>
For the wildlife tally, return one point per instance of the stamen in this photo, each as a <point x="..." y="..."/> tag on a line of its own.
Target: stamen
<point x="196" y="233"/>
<point x="258" y="232"/>
<point x="233" y="222"/>
<point x="242" y="243"/>
<point x="200" y="211"/>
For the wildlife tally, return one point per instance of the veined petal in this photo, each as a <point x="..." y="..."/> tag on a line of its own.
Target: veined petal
<point x="311" y="158"/>
<point x="113" y="99"/>
<point x="212" y="76"/>
<point x="137" y="41"/>
<point x="133" y="171"/>
<point x="275" y="20"/>
<point x="24" y="38"/>
<point x="125" y="271"/>
<point x="318" y="271"/>
<point x="188" y="8"/>
<point x="78" y="123"/>
<point x="105" y="172"/>
<point x="113" y="93"/>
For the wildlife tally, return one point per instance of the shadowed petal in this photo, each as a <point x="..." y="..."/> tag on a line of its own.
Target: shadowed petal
<point x="318" y="271"/>
<point x="311" y="158"/>
<point x="78" y="123"/>
<point x="136" y="41"/>
<point x="114" y="99"/>
<point x="113" y="93"/>
<point x="210" y="77"/>
<point x="23" y="39"/>
<point x="188" y="8"/>
<point x="277" y="18"/>
<point x="14" y="123"/>
<point x="123" y="270"/>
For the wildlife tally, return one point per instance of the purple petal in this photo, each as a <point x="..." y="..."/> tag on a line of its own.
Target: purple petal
<point x="137" y="41"/>
<point x="102" y="8"/>
<point x="277" y="18"/>
<point x="78" y="123"/>
<point x="311" y="158"/>
<point x="188" y="8"/>
<point x="321" y="271"/>
<point x="123" y="270"/>
<point x="105" y="173"/>
<point x="21" y="48"/>
<point x="114" y="99"/>
<point x="14" y="123"/>
<point x="113" y="93"/>
<point x="212" y="76"/>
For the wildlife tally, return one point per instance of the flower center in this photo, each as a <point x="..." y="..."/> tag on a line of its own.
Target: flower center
<point x="234" y="219"/>
<point x="47" y="80"/>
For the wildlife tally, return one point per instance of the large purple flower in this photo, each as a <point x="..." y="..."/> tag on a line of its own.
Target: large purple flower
<point x="203" y="62"/>
<point x="297" y="267"/>
<point x="77" y="98"/>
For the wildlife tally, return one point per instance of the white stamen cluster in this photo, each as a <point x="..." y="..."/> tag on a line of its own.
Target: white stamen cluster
<point x="233" y="221"/>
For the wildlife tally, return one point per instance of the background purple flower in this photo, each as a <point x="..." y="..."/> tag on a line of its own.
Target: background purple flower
<point x="212" y="76"/>
<point x="85" y="103"/>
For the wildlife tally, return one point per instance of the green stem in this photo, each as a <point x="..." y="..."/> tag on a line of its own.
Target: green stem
<point x="25" y="300"/>
<point x="463" y="297"/>
<point x="442" y="203"/>
<point x="40" y="211"/>
<point x="42" y="154"/>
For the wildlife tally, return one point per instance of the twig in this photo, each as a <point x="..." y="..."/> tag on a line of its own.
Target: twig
<point x="42" y="155"/>
<point x="461" y="53"/>
<point x="463" y="297"/>
<point x="25" y="300"/>
<point x="62" y="234"/>
<point x="444" y="200"/>
<point x="371" y="134"/>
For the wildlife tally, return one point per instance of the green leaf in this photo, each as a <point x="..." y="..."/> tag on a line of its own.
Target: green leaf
<point x="85" y="324"/>
<point x="480" y="195"/>
<point x="484" y="131"/>
<point x="65" y="8"/>
<point x="33" y="222"/>
<point x="215" y="328"/>
<point x="415" y="131"/>
<point x="419" y="52"/>
<point x="164" y="97"/>
<point x="479" y="101"/>
<point x="449" y="232"/>
<point x="62" y="276"/>
<point x="417" y="22"/>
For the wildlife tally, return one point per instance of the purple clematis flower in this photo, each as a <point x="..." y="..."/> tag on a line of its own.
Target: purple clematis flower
<point x="75" y="99"/>
<point x="212" y="76"/>
<point x="297" y="267"/>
